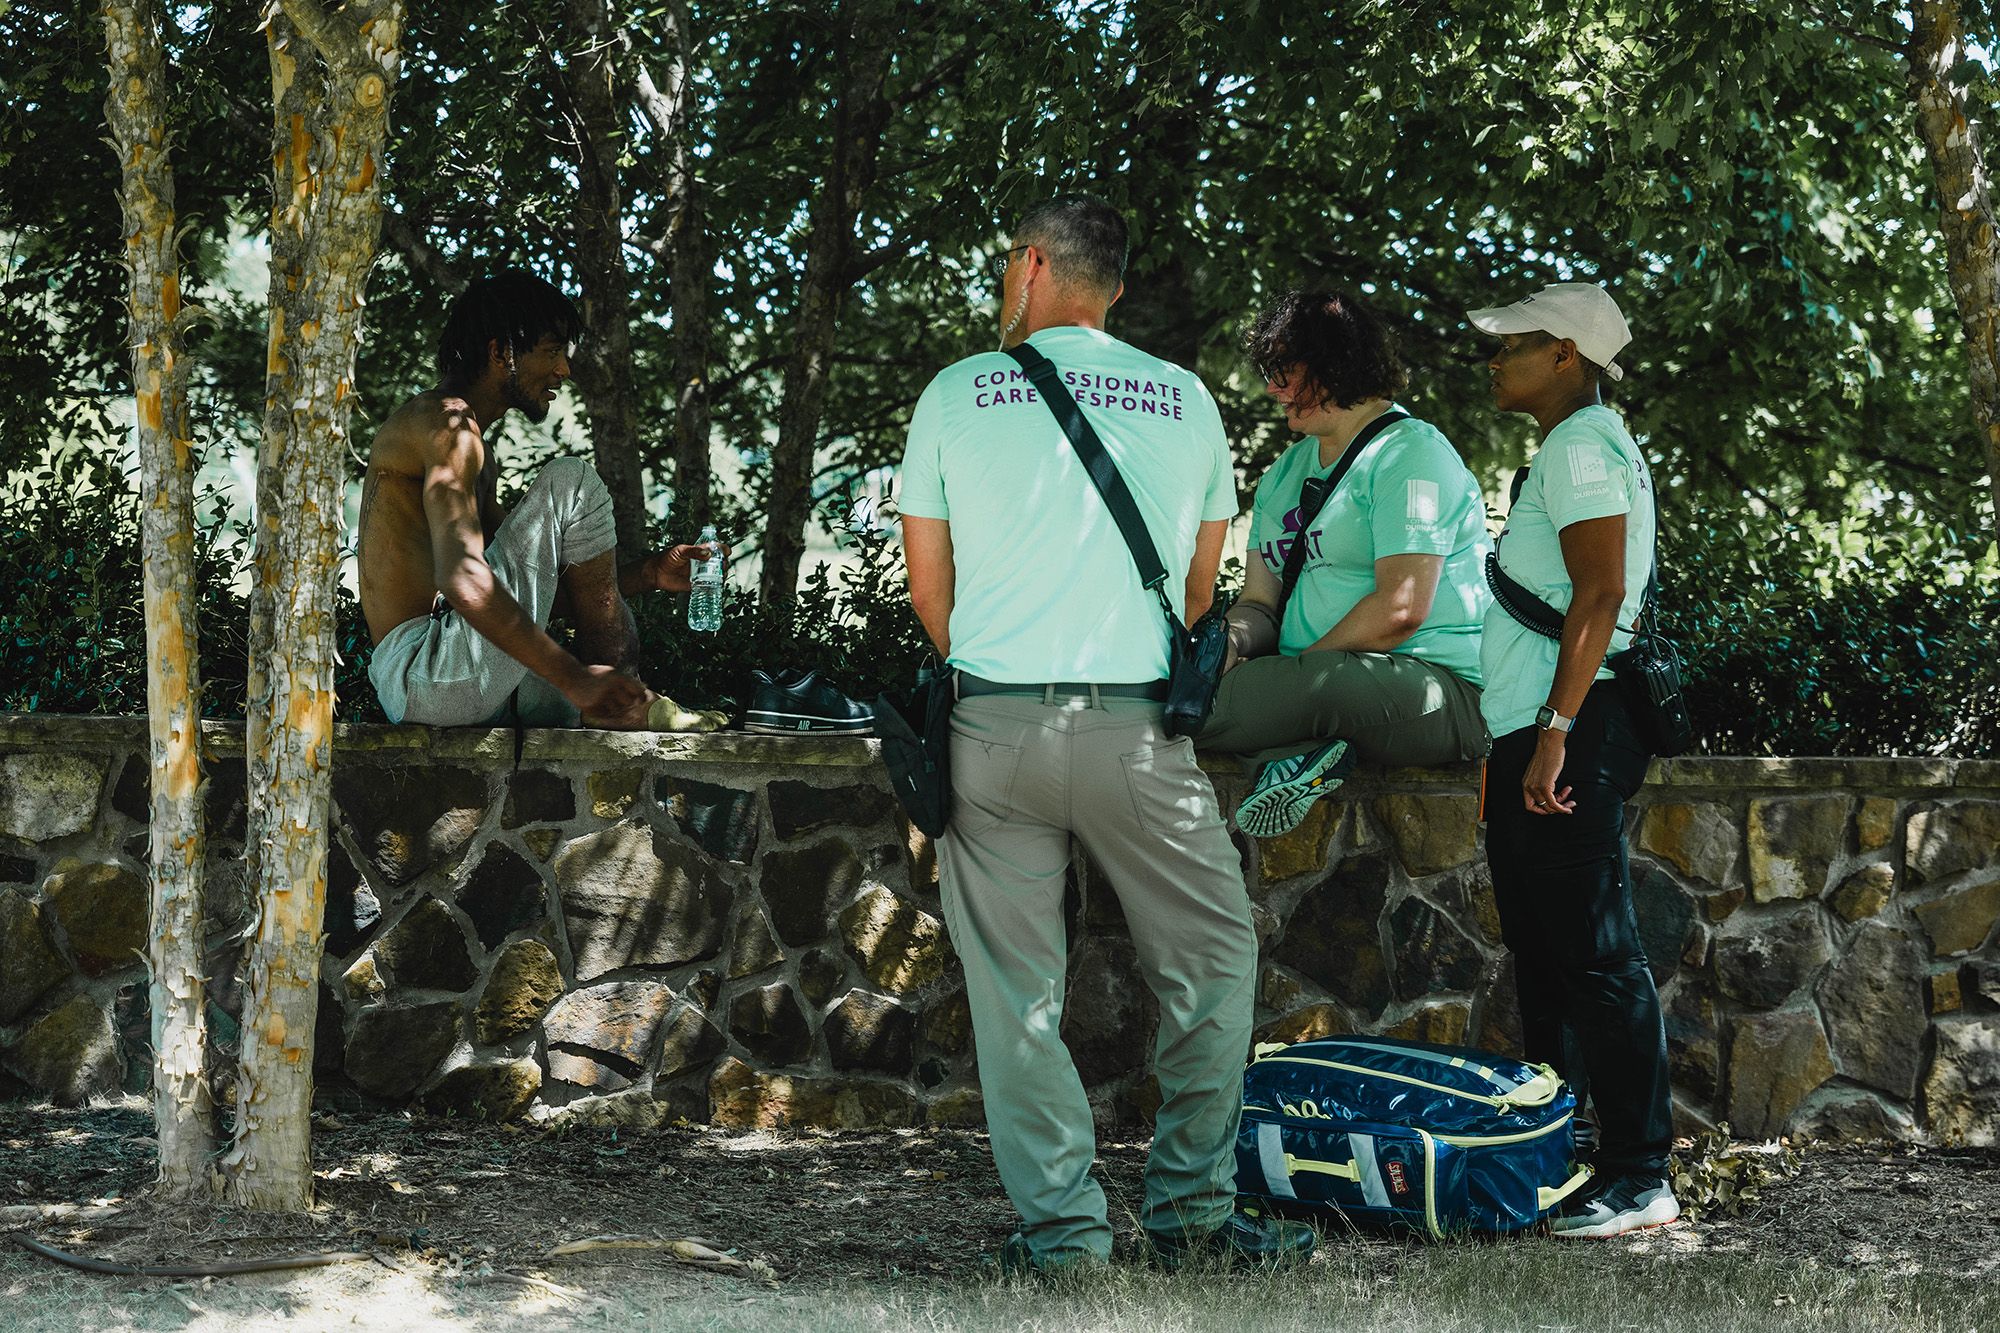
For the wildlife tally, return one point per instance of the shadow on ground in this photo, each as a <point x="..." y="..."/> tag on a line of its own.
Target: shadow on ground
<point x="460" y="1219"/>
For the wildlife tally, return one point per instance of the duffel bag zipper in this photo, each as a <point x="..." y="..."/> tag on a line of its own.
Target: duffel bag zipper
<point x="1455" y="1140"/>
<point x="1543" y="1086"/>
<point x="1486" y="1072"/>
<point x="1543" y="1096"/>
<point x="1501" y="1140"/>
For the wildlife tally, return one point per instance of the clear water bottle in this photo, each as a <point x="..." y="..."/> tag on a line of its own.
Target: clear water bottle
<point x="705" y="591"/>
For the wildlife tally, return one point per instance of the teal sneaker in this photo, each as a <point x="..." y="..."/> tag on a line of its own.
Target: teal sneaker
<point x="1286" y="789"/>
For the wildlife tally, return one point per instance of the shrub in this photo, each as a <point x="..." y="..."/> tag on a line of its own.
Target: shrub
<point x="1794" y="645"/>
<point x="72" y="613"/>
<point x="855" y="627"/>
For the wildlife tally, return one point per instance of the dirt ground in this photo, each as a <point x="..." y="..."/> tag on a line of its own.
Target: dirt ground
<point x="478" y="1205"/>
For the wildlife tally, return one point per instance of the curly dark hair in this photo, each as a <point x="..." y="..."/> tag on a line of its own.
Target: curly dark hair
<point x="513" y="307"/>
<point x="1346" y="353"/>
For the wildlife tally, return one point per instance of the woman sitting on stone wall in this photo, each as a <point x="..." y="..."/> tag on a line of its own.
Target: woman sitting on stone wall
<point x="1357" y="633"/>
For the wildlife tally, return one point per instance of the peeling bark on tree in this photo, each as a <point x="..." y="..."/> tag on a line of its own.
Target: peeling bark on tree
<point x="690" y="271"/>
<point x="603" y="367"/>
<point x="861" y="110"/>
<point x="1972" y="249"/>
<point x="136" y="112"/>
<point x="331" y="76"/>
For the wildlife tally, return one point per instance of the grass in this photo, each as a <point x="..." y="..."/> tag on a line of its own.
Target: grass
<point x="1659" y="1282"/>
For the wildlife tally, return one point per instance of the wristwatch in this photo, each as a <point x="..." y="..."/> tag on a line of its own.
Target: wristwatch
<point x="1548" y="719"/>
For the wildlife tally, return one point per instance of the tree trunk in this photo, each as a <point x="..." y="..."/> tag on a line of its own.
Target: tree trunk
<point x="331" y="77"/>
<point x="690" y="271"/>
<point x="1972" y="250"/>
<point x="604" y="364"/>
<point x="860" y="111"/>
<point x="136" y="111"/>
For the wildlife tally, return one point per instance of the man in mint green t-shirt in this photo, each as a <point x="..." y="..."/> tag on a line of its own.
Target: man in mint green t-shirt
<point x="1026" y="585"/>
<point x="1373" y="652"/>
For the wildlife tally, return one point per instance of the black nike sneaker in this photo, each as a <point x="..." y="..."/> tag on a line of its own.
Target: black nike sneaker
<point x="805" y="706"/>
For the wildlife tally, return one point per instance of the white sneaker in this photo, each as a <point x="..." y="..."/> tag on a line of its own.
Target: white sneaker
<point x="1626" y="1203"/>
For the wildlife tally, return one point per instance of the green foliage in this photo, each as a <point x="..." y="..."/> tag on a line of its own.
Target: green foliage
<point x="855" y="627"/>
<point x="72" y="602"/>
<point x="1743" y="175"/>
<point x="1795" y="646"/>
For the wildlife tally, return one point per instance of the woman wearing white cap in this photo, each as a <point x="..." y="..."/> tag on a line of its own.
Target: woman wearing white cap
<point x="1578" y="540"/>
<point x="1358" y="627"/>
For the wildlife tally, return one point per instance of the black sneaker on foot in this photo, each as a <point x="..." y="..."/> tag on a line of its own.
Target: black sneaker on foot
<point x="807" y="705"/>
<point x="1248" y="1238"/>
<point x="1015" y="1258"/>
<point x="1621" y="1204"/>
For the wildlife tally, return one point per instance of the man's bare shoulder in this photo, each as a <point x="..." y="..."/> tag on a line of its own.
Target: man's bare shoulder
<point x="420" y="432"/>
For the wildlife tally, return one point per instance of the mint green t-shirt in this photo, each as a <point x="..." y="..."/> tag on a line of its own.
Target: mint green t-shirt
<point x="1408" y="493"/>
<point x="1045" y="586"/>
<point x="1587" y="468"/>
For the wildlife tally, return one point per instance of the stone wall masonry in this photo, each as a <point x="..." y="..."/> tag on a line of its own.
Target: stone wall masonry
<point x="744" y="930"/>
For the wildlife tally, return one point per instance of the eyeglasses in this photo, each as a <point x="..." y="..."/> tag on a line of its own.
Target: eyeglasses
<point x="1000" y="260"/>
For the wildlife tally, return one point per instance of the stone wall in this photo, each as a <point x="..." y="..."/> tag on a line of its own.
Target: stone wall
<point x="743" y="929"/>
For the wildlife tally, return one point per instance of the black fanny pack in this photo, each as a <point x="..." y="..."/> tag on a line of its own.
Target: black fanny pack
<point x="1195" y="653"/>
<point x="1648" y="671"/>
<point x="915" y="731"/>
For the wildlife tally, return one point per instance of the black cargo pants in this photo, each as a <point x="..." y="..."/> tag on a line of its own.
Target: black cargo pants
<point x="1588" y="1004"/>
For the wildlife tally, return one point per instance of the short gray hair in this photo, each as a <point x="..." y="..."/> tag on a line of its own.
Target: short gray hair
<point x="1084" y="238"/>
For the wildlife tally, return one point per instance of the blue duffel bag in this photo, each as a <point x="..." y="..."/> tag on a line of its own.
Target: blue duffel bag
<point x="1441" y="1138"/>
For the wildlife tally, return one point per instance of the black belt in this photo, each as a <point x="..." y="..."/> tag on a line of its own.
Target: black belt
<point x="970" y="685"/>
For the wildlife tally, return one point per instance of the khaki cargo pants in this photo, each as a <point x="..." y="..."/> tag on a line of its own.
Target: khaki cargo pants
<point x="1027" y="775"/>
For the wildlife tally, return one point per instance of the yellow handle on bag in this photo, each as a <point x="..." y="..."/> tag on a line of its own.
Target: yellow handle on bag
<point x="1546" y="1198"/>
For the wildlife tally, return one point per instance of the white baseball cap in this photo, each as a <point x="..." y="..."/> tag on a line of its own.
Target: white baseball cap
<point x="1583" y="312"/>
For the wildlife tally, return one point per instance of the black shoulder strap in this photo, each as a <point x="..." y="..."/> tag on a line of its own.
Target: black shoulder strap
<point x="1103" y="472"/>
<point x="1295" y="558"/>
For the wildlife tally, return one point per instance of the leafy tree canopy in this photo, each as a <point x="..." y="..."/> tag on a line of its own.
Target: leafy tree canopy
<point x="1745" y="177"/>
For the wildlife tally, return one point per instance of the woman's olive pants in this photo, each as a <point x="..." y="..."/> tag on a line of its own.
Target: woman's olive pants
<point x="1397" y="711"/>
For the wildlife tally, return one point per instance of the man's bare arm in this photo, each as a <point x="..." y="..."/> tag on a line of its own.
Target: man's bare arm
<point x="671" y="570"/>
<point x="1200" y="588"/>
<point x="933" y="576"/>
<point x="452" y="459"/>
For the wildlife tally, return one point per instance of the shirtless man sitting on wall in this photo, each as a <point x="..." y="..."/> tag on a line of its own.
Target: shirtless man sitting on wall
<point x="458" y="597"/>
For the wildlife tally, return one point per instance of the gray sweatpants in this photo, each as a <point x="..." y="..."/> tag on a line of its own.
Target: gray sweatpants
<point x="439" y="671"/>
<point x="1396" y="711"/>
<point x="1026" y="776"/>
